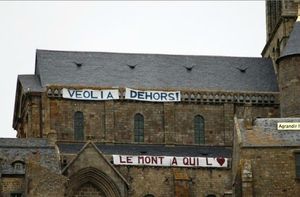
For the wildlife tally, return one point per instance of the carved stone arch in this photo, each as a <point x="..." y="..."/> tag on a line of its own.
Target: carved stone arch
<point x="97" y="178"/>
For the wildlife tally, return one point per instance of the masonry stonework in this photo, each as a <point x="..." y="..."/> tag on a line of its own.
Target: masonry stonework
<point x="273" y="171"/>
<point x="112" y="121"/>
<point x="12" y="184"/>
<point x="226" y="117"/>
<point x="289" y="80"/>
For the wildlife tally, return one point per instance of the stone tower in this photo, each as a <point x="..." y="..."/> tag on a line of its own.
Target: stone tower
<point x="280" y="18"/>
<point x="289" y="75"/>
<point x="283" y="46"/>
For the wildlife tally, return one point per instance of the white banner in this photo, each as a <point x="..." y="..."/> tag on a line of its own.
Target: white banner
<point x="288" y="126"/>
<point x="153" y="96"/>
<point x="145" y="160"/>
<point x="86" y="94"/>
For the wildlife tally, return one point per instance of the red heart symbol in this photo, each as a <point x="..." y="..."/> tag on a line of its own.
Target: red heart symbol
<point x="221" y="160"/>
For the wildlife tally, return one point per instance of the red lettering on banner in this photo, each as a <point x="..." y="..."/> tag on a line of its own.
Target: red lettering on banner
<point x="154" y="160"/>
<point x="192" y="161"/>
<point x="129" y="159"/>
<point x="150" y="160"/>
<point x="189" y="161"/>
<point x="174" y="161"/>
<point x="147" y="160"/>
<point x="185" y="161"/>
<point x="160" y="159"/>
<point x="141" y="160"/>
<point x="209" y="164"/>
<point x="121" y="160"/>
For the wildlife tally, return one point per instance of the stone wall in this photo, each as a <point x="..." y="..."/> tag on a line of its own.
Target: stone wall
<point x="89" y="190"/>
<point x="289" y="84"/>
<point x="165" y="123"/>
<point x="11" y="185"/>
<point x="160" y="181"/>
<point x="280" y="18"/>
<point x="41" y="181"/>
<point x="272" y="171"/>
<point x="91" y="166"/>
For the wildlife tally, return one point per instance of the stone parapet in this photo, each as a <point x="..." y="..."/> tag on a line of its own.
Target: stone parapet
<point x="194" y="96"/>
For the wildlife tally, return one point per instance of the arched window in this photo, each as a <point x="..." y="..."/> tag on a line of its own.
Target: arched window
<point x="199" y="129"/>
<point x="19" y="166"/>
<point x="78" y="126"/>
<point x="139" y="128"/>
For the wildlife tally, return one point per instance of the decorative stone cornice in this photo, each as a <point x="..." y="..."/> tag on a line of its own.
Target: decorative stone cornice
<point x="194" y="96"/>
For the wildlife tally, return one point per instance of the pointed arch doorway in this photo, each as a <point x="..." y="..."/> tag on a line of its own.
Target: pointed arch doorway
<point x="93" y="182"/>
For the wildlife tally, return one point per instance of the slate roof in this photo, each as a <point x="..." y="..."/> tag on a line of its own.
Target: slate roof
<point x="30" y="83"/>
<point x="16" y="149"/>
<point x="265" y="133"/>
<point x="152" y="71"/>
<point x="157" y="150"/>
<point x="293" y="45"/>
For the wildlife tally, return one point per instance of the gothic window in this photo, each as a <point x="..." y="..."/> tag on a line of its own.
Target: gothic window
<point x="18" y="166"/>
<point x="199" y="129"/>
<point x="139" y="128"/>
<point x="78" y="126"/>
<point x="297" y="160"/>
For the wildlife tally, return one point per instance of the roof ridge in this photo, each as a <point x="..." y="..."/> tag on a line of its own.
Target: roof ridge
<point x="144" y="53"/>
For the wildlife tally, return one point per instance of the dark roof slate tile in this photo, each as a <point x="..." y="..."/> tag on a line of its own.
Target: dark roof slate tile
<point x="293" y="45"/>
<point x="155" y="71"/>
<point x="30" y="83"/>
<point x="15" y="149"/>
<point x="157" y="150"/>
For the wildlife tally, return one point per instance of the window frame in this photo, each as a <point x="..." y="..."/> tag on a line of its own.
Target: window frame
<point x="199" y="129"/>
<point x="138" y="128"/>
<point x="78" y="126"/>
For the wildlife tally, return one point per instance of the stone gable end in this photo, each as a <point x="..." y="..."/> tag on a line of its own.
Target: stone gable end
<point x="91" y="159"/>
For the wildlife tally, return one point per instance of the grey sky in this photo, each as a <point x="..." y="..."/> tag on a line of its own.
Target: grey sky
<point x="199" y="28"/>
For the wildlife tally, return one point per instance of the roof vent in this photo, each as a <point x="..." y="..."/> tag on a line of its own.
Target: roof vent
<point x="242" y="69"/>
<point x="189" y="68"/>
<point x="131" y="66"/>
<point x="78" y="64"/>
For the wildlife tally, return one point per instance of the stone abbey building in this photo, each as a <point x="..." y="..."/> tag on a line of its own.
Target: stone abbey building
<point x="143" y="125"/>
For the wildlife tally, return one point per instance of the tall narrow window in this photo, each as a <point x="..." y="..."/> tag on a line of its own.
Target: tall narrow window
<point x="139" y="128"/>
<point x="78" y="126"/>
<point x="199" y="129"/>
<point x="297" y="162"/>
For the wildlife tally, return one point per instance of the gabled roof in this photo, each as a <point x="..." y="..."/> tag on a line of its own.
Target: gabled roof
<point x="30" y="83"/>
<point x="17" y="149"/>
<point x="155" y="71"/>
<point x="91" y="144"/>
<point x="293" y="45"/>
